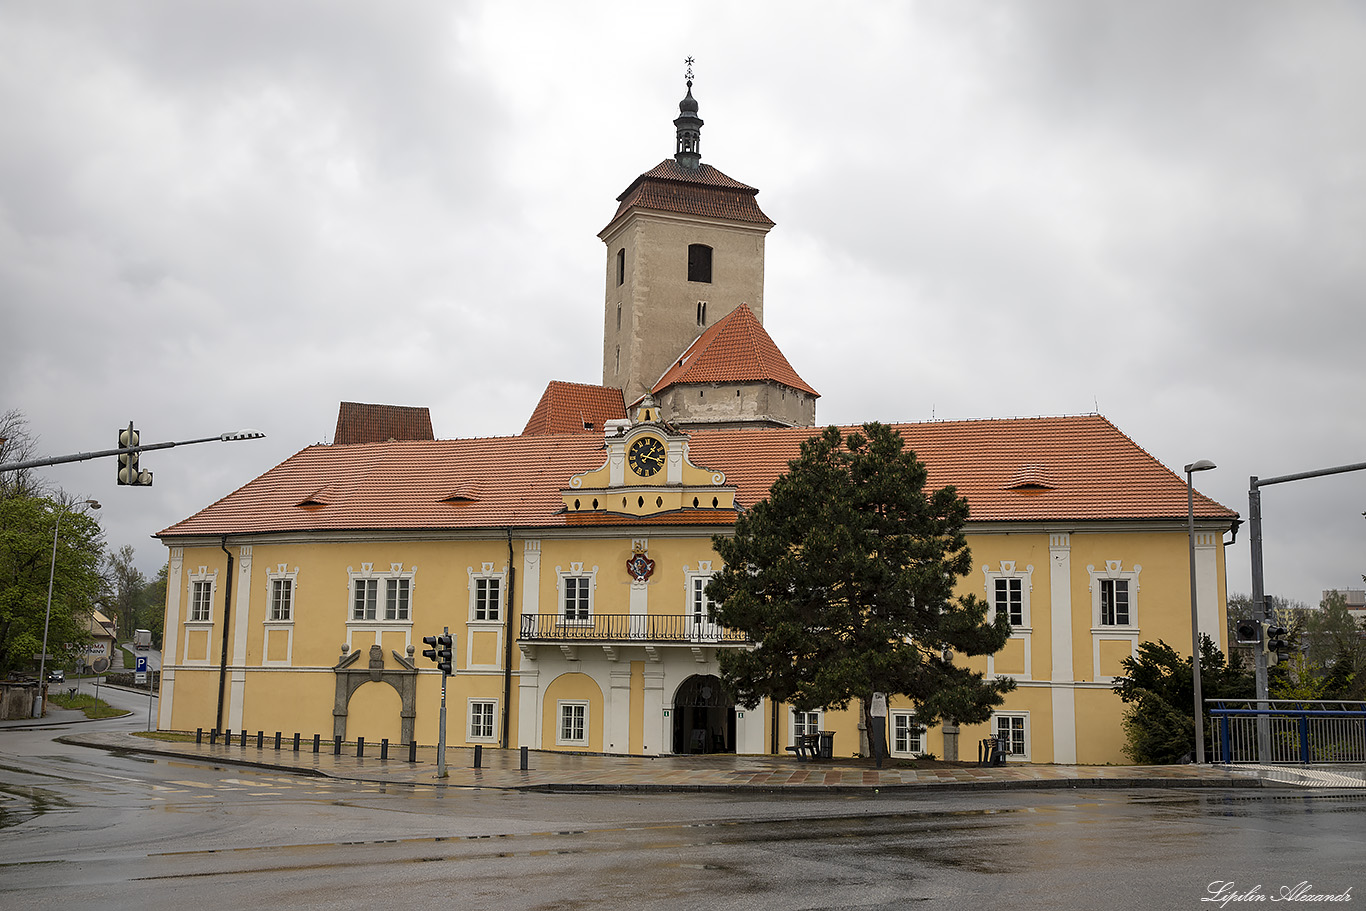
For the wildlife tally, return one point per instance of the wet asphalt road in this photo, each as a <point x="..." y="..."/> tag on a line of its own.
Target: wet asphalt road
<point x="81" y="828"/>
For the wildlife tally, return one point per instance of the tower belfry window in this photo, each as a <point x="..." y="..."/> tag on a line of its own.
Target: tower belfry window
<point x="621" y="266"/>
<point x="701" y="313"/>
<point x="699" y="263"/>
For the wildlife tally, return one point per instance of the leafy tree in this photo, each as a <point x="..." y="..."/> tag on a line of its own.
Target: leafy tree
<point x="1159" y="687"/>
<point x="844" y="578"/>
<point x="17" y="445"/>
<point x="26" y="558"/>
<point x="152" y="607"/>
<point x="127" y="583"/>
<point x="1335" y="643"/>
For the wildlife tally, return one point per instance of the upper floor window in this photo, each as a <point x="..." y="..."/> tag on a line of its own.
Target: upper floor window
<point x="280" y="607"/>
<point x="201" y="601"/>
<point x="1114" y="595"/>
<point x="699" y="263"/>
<point x="486" y="593"/>
<point x="621" y="269"/>
<point x="1008" y="591"/>
<point x="395" y="587"/>
<point x="576" y="593"/>
<point x="202" y="585"/>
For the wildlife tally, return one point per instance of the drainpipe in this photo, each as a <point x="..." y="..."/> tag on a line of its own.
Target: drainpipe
<point x="507" y="644"/>
<point x="227" y="614"/>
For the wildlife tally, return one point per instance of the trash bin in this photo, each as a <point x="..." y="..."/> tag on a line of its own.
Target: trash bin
<point x="827" y="747"/>
<point x="1002" y="748"/>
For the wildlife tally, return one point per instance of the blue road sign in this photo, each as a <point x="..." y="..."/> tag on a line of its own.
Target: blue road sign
<point x="142" y="664"/>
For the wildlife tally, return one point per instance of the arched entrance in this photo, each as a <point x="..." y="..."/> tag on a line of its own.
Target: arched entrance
<point x="703" y="716"/>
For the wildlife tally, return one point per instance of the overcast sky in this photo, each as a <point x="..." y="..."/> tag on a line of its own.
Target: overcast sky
<point x="217" y="216"/>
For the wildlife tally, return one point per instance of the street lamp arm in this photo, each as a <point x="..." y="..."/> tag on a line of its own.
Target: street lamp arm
<point x="229" y="437"/>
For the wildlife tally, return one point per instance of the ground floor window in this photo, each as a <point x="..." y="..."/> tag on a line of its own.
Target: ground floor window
<point x="573" y="729"/>
<point x="1014" y="729"/>
<point x="908" y="736"/>
<point x="805" y="723"/>
<point x="481" y="719"/>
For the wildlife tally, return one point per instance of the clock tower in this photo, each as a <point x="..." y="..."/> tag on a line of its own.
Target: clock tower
<point x="685" y="248"/>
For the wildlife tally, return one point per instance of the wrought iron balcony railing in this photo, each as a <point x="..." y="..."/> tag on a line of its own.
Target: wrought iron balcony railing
<point x="643" y="628"/>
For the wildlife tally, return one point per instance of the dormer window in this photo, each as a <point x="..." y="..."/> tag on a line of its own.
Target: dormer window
<point x="699" y="263"/>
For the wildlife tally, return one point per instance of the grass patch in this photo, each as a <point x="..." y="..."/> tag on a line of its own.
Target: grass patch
<point x="129" y="659"/>
<point x="168" y="736"/>
<point x="93" y="708"/>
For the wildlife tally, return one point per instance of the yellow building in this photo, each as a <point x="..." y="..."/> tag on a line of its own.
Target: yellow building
<point x="570" y="562"/>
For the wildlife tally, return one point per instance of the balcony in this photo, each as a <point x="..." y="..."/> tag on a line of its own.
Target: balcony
<point x="613" y="630"/>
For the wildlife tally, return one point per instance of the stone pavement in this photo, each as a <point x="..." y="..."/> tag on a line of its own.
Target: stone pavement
<point x="552" y="771"/>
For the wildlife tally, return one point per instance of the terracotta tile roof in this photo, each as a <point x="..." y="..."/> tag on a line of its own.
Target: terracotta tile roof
<point x="734" y="350"/>
<point x="1096" y="473"/>
<point x="360" y="423"/>
<point x="670" y="187"/>
<point x="575" y="408"/>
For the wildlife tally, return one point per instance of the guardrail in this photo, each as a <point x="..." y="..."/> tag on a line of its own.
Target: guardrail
<point x="1297" y="731"/>
<point x="625" y="628"/>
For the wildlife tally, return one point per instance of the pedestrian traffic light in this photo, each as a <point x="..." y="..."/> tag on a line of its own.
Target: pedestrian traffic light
<point x="429" y="652"/>
<point x="443" y="652"/>
<point x="1275" y="644"/>
<point x="1248" y="632"/>
<point x="129" y="474"/>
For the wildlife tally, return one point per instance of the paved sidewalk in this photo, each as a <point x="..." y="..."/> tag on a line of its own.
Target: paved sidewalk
<point x="551" y="771"/>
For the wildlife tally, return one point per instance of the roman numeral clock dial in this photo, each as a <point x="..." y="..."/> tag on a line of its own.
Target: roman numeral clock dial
<point x="646" y="456"/>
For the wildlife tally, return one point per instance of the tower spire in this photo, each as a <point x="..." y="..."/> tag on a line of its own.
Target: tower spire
<point x="688" y="151"/>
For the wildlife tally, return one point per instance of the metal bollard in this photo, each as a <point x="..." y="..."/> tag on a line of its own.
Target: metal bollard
<point x="317" y="739"/>
<point x="296" y="741"/>
<point x="336" y="745"/>
<point x="213" y="737"/>
<point x="244" y="738"/>
<point x="360" y="747"/>
<point x="478" y="755"/>
<point x="523" y="759"/>
<point x="260" y="740"/>
<point x="198" y="736"/>
<point x="277" y="741"/>
<point x="412" y="751"/>
<point x="384" y="749"/>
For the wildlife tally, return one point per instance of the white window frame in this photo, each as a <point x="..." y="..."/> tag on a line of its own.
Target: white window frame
<point x="577" y="573"/>
<point x="700" y="625"/>
<point x="1008" y="573"/>
<point x="1114" y="572"/>
<point x="474" y="735"/>
<point x="275" y="577"/>
<point x="812" y="722"/>
<point x="1016" y="732"/>
<point x="368" y="574"/>
<point x="482" y="578"/>
<point x="209" y="581"/>
<point x="576" y="706"/>
<point x="901" y="721"/>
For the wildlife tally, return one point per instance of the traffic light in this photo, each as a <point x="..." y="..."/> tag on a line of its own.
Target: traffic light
<point x="443" y="652"/>
<point x="440" y="652"/>
<point x="1248" y="632"/>
<point x="129" y="474"/>
<point x="1274" y="644"/>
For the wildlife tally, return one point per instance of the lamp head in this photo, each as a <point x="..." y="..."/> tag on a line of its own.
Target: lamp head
<point x="1202" y="465"/>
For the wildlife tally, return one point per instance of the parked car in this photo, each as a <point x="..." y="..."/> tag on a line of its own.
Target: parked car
<point x="57" y="675"/>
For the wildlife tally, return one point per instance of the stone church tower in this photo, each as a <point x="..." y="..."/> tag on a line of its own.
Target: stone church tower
<point x="685" y="248"/>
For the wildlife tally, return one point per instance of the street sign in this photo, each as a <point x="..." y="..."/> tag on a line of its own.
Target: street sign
<point x="142" y="667"/>
<point x="140" y="678"/>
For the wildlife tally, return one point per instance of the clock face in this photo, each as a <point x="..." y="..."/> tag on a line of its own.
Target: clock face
<point x="646" y="457"/>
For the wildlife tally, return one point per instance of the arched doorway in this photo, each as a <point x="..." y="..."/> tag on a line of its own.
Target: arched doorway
<point x="703" y="716"/>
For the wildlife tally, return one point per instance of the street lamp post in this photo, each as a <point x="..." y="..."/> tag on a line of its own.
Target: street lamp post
<point x="47" y="618"/>
<point x="1201" y="465"/>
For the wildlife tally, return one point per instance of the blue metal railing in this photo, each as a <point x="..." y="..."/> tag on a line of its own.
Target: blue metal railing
<point x="1295" y="731"/>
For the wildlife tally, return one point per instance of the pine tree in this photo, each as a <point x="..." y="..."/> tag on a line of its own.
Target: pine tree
<point x="844" y="579"/>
